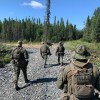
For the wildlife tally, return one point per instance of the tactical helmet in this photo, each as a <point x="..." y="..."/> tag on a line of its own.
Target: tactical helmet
<point x="42" y="42"/>
<point x="61" y="43"/>
<point x="19" y="42"/>
<point x="80" y="49"/>
<point x="81" y="52"/>
<point x="49" y="43"/>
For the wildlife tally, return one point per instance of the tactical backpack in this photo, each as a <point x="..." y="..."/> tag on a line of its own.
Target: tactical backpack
<point x="80" y="81"/>
<point x="45" y="50"/>
<point x="18" y="53"/>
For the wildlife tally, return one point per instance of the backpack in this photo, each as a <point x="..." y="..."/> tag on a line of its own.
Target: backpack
<point x="18" y="53"/>
<point x="80" y="82"/>
<point x="45" y="50"/>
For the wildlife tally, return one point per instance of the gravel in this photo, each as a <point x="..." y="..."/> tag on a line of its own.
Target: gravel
<point x="43" y="80"/>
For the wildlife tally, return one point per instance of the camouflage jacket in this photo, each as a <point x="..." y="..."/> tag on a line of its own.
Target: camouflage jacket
<point x="45" y="50"/>
<point x="60" y="49"/>
<point x="19" y="53"/>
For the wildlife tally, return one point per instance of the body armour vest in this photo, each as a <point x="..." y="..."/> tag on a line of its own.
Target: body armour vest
<point x="80" y="81"/>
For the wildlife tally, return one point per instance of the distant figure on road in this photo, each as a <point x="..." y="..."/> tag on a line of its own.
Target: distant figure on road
<point x="45" y="51"/>
<point x="60" y="52"/>
<point x="19" y="58"/>
<point x="79" y="79"/>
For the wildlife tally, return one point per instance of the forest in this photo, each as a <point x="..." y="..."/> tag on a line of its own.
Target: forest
<point x="32" y="29"/>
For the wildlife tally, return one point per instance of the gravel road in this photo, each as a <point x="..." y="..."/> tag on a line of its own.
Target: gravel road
<point x="43" y="80"/>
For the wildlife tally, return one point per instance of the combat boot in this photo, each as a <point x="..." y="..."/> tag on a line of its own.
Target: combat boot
<point x="58" y="62"/>
<point x="17" y="88"/>
<point x="27" y="81"/>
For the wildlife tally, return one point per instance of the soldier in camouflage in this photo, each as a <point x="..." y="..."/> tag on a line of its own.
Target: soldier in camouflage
<point x="79" y="79"/>
<point x="19" y="58"/>
<point x="45" y="51"/>
<point x="60" y="52"/>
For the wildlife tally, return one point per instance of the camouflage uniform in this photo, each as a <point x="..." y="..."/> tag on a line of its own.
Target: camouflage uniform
<point x="20" y="61"/>
<point x="60" y="52"/>
<point x="79" y="78"/>
<point x="45" y="51"/>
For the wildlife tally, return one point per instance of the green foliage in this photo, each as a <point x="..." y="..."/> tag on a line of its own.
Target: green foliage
<point x="6" y="59"/>
<point x="55" y="39"/>
<point x="12" y="30"/>
<point x="25" y="41"/>
<point x="93" y="48"/>
<point x="87" y="31"/>
<point x="5" y="52"/>
<point x="92" y="27"/>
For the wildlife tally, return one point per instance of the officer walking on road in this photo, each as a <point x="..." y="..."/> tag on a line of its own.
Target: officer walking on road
<point x="19" y="58"/>
<point x="45" y="51"/>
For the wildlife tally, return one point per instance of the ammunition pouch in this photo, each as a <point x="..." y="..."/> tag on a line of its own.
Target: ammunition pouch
<point x="60" y="53"/>
<point x="65" y="96"/>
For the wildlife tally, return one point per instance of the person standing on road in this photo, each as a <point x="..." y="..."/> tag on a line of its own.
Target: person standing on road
<point x="19" y="58"/>
<point x="60" y="52"/>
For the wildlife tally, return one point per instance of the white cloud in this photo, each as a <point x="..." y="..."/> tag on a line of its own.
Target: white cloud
<point x="34" y="4"/>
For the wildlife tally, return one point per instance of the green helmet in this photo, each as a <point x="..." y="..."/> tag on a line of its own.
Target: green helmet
<point x="81" y="52"/>
<point x="80" y="49"/>
<point x="61" y="43"/>
<point x="49" y="43"/>
<point x="19" y="42"/>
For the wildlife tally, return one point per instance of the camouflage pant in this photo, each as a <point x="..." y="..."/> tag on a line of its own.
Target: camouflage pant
<point x="44" y="56"/>
<point x="66" y="96"/>
<point x="60" y="58"/>
<point x="20" y="66"/>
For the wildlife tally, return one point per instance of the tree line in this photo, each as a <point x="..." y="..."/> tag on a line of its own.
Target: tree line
<point x="92" y="27"/>
<point x="31" y="29"/>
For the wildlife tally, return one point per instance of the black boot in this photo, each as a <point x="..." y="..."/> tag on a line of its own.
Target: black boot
<point x="27" y="81"/>
<point x="17" y="88"/>
<point x="58" y="63"/>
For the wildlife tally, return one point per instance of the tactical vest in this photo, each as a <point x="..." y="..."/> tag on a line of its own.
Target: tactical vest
<point x="80" y="81"/>
<point x="61" y="49"/>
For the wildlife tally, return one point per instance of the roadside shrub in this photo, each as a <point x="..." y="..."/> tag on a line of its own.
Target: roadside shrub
<point x="6" y="59"/>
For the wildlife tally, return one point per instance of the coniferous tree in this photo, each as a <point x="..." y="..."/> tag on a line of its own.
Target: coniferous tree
<point x="74" y="32"/>
<point x="87" y="32"/>
<point x="95" y="26"/>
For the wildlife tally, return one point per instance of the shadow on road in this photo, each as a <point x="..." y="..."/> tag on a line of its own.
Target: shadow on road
<point x="41" y="80"/>
<point x="55" y="65"/>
